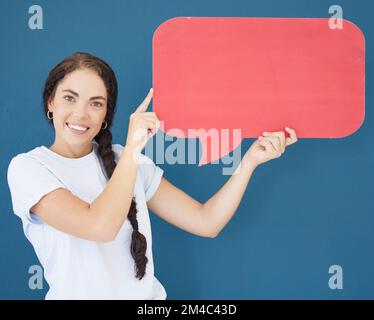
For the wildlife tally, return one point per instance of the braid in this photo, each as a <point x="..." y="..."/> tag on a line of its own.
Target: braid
<point x="138" y="242"/>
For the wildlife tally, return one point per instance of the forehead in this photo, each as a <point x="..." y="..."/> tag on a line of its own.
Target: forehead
<point x="85" y="82"/>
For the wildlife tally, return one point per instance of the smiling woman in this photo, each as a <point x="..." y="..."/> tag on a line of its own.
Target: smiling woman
<point x="84" y="201"/>
<point x="73" y="187"/>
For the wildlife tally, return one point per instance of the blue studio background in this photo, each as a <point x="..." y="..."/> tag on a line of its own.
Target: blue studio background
<point x="301" y="213"/>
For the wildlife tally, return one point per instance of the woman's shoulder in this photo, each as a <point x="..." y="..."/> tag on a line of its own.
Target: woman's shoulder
<point x="28" y="156"/>
<point x="25" y="164"/>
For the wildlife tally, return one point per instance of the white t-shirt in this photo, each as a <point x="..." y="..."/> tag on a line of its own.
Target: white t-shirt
<point x="76" y="268"/>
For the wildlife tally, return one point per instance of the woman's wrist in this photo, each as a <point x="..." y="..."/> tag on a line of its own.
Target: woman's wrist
<point x="131" y="151"/>
<point x="249" y="162"/>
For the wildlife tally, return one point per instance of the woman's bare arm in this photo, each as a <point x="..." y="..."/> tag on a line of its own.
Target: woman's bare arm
<point x="101" y="220"/>
<point x="208" y="219"/>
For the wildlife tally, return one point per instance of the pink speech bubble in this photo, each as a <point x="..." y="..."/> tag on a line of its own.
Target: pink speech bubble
<point x="259" y="74"/>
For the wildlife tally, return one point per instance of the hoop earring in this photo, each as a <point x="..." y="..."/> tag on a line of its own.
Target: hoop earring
<point x="106" y="124"/>
<point x="50" y="118"/>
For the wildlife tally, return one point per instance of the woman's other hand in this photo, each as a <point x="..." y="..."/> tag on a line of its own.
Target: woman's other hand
<point x="269" y="146"/>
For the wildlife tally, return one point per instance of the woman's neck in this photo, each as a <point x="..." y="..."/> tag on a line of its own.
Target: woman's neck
<point x="70" y="151"/>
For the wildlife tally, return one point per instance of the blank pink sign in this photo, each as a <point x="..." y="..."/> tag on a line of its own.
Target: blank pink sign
<point x="259" y="74"/>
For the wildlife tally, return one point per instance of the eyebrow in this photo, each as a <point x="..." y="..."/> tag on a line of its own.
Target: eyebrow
<point x="77" y="95"/>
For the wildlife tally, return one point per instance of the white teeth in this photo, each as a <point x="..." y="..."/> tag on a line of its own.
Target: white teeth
<point x="76" y="127"/>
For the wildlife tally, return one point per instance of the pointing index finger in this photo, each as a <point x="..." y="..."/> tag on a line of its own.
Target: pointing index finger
<point x="144" y="105"/>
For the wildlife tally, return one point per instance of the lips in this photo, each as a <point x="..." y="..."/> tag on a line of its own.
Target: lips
<point x="77" y="128"/>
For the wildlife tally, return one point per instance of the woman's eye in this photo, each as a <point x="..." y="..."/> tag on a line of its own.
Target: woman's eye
<point x="97" y="104"/>
<point x="69" y="98"/>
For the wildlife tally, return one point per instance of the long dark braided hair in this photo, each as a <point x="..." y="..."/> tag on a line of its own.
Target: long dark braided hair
<point x="83" y="60"/>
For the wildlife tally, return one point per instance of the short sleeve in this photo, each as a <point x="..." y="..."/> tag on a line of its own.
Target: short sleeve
<point x="29" y="180"/>
<point x="150" y="173"/>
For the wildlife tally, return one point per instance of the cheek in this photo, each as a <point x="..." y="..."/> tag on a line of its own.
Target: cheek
<point x="97" y="119"/>
<point x="60" y="115"/>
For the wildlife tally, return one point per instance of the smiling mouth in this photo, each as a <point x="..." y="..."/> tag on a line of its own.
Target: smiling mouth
<point x="77" y="128"/>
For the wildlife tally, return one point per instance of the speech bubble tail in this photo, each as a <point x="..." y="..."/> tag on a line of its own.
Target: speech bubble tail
<point x="221" y="148"/>
<point x="206" y="156"/>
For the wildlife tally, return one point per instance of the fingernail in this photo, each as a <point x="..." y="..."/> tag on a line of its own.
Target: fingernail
<point x="287" y="128"/>
<point x="264" y="133"/>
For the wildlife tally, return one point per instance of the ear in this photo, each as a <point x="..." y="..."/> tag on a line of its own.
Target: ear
<point x="50" y="105"/>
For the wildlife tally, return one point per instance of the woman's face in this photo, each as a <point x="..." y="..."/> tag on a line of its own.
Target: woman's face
<point x="79" y="107"/>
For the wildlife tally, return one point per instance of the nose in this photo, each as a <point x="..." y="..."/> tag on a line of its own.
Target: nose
<point x="80" y="110"/>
